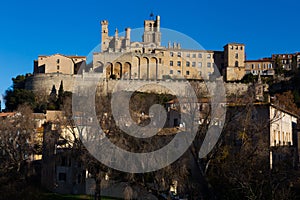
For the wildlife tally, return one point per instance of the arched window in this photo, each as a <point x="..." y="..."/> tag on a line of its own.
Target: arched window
<point x="236" y="63"/>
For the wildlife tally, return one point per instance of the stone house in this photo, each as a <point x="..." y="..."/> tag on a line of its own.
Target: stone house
<point x="62" y="171"/>
<point x="264" y="67"/>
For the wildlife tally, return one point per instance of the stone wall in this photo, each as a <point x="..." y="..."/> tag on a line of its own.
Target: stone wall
<point x="178" y="87"/>
<point x="43" y="84"/>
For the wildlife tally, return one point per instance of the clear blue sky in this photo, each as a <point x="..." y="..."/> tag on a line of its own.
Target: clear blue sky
<point x="31" y="28"/>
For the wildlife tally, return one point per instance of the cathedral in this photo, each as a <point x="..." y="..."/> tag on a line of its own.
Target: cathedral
<point x="120" y="58"/>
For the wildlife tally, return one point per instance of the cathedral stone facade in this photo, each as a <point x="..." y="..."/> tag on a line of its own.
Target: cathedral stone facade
<point x="121" y="58"/>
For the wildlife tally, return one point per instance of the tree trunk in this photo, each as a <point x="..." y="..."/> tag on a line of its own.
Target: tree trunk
<point x="98" y="187"/>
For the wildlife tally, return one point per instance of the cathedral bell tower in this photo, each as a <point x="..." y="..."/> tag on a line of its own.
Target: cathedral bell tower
<point x="104" y="35"/>
<point x="152" y="32"/>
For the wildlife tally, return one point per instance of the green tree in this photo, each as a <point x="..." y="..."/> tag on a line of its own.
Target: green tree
<point x="14" y="98"/>
<point x="52" y="99"/>
<point x="294" y="64"/>
<point x="278" y="66"/>
<point x="18" y="95"/>
<point x="249" y="78"/>
<point x="19" y="82"/>
<point x="60" y="97"/>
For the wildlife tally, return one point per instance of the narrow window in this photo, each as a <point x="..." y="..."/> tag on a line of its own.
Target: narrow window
<point x="236" y="63"/>
<point x="236" y="55"/>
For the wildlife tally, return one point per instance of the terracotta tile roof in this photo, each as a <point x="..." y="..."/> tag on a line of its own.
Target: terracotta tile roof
<point x="7" y="114"/>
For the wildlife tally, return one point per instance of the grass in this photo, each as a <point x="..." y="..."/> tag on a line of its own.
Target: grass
<point x="22" y="191"/>
<point x="52" y="196"/>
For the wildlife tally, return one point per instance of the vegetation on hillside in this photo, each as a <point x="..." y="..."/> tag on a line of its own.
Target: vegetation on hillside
<point x="223" y="174"/>
<point x="18" y="95"/>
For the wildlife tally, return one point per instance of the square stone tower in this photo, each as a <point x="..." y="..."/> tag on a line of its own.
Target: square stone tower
<point x="104" y="35"/>
<point x="234" y="61"/>
<point x="152" y="32"/>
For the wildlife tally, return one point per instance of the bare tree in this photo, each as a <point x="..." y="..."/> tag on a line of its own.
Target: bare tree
<point x="17" y="134"/>
<point x="241" y="167"/>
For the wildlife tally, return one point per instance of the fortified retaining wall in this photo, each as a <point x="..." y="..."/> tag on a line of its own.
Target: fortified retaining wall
<point x="43" y="84"/>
